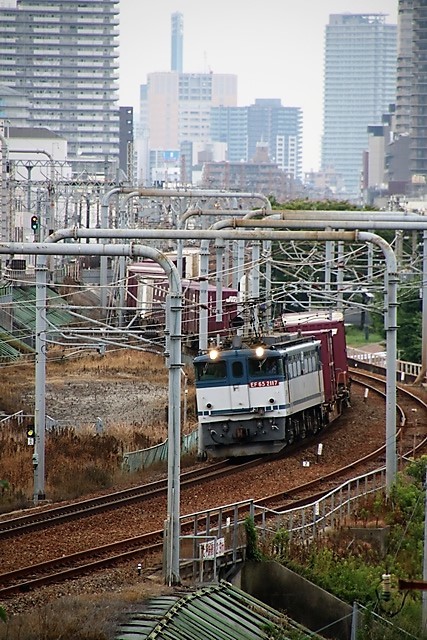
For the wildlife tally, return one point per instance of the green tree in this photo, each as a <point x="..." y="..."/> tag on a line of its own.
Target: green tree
<point x="304" y="204"/>
<point x="409" y="323"/>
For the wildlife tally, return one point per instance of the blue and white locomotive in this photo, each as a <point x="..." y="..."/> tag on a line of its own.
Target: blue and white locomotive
<point x="256" y="400"/>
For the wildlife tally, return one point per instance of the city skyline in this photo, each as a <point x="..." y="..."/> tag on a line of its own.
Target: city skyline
<point x="282" y="59"/>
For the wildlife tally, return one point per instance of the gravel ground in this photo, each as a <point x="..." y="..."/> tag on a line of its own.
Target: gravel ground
<point x="81" y="401"/>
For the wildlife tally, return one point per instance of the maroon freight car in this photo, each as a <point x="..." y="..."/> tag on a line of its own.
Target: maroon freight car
<point x="147" y="289"/>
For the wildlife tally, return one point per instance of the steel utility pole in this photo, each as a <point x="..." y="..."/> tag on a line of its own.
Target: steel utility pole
<point x="173" y="328"/>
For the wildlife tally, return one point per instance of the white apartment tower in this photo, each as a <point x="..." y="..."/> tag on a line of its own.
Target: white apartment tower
<point x="63" y="56"/>
<point x="359" y="86"/>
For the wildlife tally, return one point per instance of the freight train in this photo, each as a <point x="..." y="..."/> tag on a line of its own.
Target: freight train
<point x="146" y="292"/>
<point x="257" y="397"/>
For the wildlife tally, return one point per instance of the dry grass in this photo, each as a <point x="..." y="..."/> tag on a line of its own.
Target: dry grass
<point x="128" y="362"/>
<point x="78" y="462"/>
<point x="79" y="618"/>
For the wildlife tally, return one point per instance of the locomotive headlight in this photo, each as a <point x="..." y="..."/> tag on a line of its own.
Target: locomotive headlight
<point x="213" y="354"/>
<point x="259" y="352"/>
<point x="271" y="401"/>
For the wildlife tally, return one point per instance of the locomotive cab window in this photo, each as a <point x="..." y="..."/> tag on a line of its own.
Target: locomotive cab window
<point x="237" y="369"/>
<point x="211" y="370"/>
<point x="265" y="367"/>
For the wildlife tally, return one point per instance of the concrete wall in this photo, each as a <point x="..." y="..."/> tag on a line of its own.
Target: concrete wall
<point x="300" y="599"/>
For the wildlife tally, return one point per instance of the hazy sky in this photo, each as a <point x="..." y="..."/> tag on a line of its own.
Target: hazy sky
<point x="275" y="47"/>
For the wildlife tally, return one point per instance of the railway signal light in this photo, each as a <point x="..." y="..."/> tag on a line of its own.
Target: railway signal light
<point x="34" y="223"/>
<point x="31" y="434"/>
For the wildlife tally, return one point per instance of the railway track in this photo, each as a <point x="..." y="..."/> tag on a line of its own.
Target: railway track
<point x="48" y="517"/>
<point x="149" y="544"/>
<point x="51" y="516"/>
<point x="412" y="412"/>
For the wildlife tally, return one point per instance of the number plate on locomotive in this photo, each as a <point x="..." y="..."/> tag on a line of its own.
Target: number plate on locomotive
<point x="264" y="383"/>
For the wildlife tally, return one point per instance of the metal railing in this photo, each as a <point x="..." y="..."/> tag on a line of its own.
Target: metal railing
<point x="226" y="524"/>
<point x="404" y="369"/>
<point x="330" y="512"/>
<point x="214" y="539"/>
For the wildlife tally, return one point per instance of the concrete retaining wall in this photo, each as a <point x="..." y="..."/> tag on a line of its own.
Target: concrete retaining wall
<point x="300" y="599"/>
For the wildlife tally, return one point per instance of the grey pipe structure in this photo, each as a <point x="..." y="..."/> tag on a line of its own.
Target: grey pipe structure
<point x="163" y="193"/>
<point x="174" y="310"/>
<point x="359" y="220"/>
<point x="240" y="232"/>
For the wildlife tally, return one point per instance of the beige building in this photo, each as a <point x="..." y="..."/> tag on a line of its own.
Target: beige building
<point x="176" y="108"/>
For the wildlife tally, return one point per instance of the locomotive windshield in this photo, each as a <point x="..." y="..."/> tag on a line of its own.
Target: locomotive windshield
<point x="265" y="367"/>
<point x="211" y="370"/>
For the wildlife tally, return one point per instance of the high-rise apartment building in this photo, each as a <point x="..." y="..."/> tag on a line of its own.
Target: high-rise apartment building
<point x="267" y="121"/>
<point x="418" y="105"/>
<point x="230" y="125"/>
<point x="63" y="56"/>
<point x="177" y="42"/>
<point x="404" y="79"/>
<point x="359" y="85"/>
<point x="281" y="128"/>
<point x="126" y="149"/>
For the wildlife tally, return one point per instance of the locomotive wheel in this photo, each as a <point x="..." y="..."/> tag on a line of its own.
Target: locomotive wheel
<point x="290" y="435"/>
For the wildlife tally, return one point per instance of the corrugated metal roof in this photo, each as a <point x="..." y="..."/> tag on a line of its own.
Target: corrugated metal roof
<point x="11" y="348"/>
<point x="22" y="302"/>
<point x="24" y="308"/>
<point x="216" y="612"/>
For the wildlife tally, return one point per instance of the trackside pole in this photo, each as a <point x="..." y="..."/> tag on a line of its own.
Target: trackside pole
<point x="174" y="304"/>
<point x="40" y="381"/>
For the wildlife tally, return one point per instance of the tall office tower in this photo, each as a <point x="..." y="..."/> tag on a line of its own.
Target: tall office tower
<point x="63" y="55"/>
<point x="359" y="85"/>
<point x="230" y="125"/>
<point x="279" y="128"/>
<point x="177" y="40"/>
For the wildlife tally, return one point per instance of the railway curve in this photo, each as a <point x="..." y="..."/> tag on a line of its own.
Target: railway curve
<point x="149" y="543"/>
